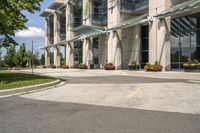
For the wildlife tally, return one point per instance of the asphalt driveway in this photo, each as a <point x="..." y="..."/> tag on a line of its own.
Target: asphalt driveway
<point x="19" y="115"/>
<point x="106" y="102"/>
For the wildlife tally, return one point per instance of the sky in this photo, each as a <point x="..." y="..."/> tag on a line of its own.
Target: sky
<point x="35" y="31"/>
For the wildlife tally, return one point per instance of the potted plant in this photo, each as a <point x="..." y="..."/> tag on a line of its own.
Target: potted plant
<point x="83" y="66"/>
<point x="53" y="66"/>
<point x="133" y="66"/>
<point x="153" y="67"/>
<point x="191" y="66"/>
<point x="65" y="66"/>
<point x="109" y="66"/>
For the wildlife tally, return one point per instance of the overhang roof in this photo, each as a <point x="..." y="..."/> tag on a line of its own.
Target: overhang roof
<point x="180" y="8"/>
<point x="131" y="22"/>
<point x="55" y="5"/>
<point x="46" y="13"/>
<point x="62" y="43"/>
<point x="87" y="29"/>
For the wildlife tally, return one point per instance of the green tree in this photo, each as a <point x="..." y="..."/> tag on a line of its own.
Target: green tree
<point x="8" y="58"/>
<point x="20" y="58"/>
<point x="12" y="18"/>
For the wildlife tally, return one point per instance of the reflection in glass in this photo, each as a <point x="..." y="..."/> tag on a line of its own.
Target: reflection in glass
<point x="185" y="40"/>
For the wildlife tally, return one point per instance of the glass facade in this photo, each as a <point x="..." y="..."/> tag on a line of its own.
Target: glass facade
<point x="185" y="40"/>
<point x="134" y="6"/>
<point x="145" y="45"/>
<point x="95" y="51"/>
<point x="77" y="13"/>
<point x="62" y="25"/>
<point x="78" y="53"/>
<point x="51" y="29"/>
<point x="100" y="11"/>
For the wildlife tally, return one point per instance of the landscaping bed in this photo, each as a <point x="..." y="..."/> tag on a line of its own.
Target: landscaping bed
<point x="11" y="80"/>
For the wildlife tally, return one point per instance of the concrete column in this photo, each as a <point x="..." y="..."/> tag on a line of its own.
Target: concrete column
<point x="115" y="50"/>
<point x="69" y="36"/>
<point x="56" y="40"/>
<point x="87" y="52"/>
<point x="114" y="38"/>
<point x="47" y="57"/>
<point x="159" y="36"/>
<point x="47" y="42"/>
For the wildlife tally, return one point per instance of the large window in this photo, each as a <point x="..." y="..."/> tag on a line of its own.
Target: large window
<point x="95" y="51"/>
<point x="144" y="45"/>
<point x="134" y="6"/>
<point x="51" y="29"/>
<point x="78" y="53"/>
<point x="77" y="13"/>
<point x="185" y="40"/>
<point x="100" y="11"/>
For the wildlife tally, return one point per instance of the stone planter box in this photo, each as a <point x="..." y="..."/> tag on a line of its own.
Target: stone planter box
<point x="109" y="67"/>
<point x="133" y="67"/>
<point x="192" y="69"/>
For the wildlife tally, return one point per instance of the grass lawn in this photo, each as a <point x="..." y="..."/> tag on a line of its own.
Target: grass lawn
<point x="10" y="80"/>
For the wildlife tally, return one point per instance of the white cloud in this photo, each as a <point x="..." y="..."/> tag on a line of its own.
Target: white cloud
<point x="30" y="32"/>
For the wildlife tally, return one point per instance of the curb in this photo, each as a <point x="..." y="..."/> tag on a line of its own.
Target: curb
<point x="28" y="88"/>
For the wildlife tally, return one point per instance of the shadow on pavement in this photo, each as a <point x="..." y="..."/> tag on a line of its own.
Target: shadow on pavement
<point x="117" y="80"/>
<point x="20" y="115"/>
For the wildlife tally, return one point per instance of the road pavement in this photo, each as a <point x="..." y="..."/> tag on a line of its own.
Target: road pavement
<point x="106" y="102"/>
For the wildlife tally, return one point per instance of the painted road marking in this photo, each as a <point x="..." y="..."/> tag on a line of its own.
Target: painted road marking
<point x="135" y="92"/>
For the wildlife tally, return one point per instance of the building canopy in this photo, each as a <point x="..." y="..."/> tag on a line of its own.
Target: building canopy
<point x="180" y="9"/>
<point x="56" y="5"/>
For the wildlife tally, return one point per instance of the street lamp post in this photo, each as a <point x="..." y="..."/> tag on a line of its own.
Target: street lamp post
<point x="32" y="58"/>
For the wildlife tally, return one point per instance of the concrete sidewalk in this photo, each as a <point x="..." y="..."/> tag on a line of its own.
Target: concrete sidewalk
<point x="101" y="72"/>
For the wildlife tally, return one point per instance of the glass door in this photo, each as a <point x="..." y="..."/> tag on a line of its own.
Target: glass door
<point x="78" y="53"/>
<point x="144" y="45"/>
<point x="96" y="53"/>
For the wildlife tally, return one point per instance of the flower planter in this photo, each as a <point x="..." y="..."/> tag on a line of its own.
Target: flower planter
<point x="153" y="68"/>
<point x="133" y="67"/>
<point x="83" y="66"/>
<point x="65" y="67"/>
<point x="192" y="69"/>
<point x="53" y="66"/>
<point x="192" y="65"/>
<point x="109" y="67"/>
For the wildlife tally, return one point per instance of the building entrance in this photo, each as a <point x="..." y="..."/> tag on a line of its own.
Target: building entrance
<point x="78" y="53"/>
<point x="144" y="45"/>
<point x="96" y="53"/>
